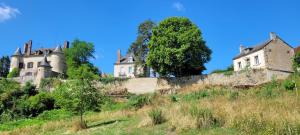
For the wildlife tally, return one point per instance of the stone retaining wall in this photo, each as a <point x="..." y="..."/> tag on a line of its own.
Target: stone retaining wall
<point x="245" y="78"/>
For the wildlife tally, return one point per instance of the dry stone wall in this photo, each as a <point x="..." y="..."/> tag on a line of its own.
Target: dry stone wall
<point x="244" y="78"/>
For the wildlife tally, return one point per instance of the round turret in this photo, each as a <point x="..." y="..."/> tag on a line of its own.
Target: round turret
<point x="15" y="59"/>
<point x="58" y="60"/>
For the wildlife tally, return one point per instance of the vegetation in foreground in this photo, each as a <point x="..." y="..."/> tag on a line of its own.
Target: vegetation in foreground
<point x="272" y="108"/>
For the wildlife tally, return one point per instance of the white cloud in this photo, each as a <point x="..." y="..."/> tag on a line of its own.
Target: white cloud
<point x="7" y="12"/>
<point x="178" y="6"/>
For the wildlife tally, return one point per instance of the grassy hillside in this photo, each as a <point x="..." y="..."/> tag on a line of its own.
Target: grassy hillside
<point x="273" y="108"/>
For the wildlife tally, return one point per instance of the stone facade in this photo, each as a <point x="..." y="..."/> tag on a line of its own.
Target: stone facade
<point x="34" y="65"/>
<point x="273" y="54"/>
<point x="125" y="67"/>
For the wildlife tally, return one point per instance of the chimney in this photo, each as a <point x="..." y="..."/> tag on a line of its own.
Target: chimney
<point x="29" y="47"/>
<point x="66" y="44"/>
<point x="273" y="35"/>
<point x="242" y="48"/>
<point x="119" y="56"/>
<point x="25" y="48"/>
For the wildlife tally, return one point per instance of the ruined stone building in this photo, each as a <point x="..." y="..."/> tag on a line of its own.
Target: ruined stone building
<point x="34" y="65"/>
<point x="273" y="54"/>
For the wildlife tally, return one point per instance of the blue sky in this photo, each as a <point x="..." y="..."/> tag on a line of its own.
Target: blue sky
<point x="112" y="24"/>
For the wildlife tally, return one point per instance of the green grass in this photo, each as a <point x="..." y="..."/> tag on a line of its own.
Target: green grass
<point x="268" y="109"/>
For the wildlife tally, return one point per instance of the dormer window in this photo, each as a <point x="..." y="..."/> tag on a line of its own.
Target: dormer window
<point x="130" y="59"/>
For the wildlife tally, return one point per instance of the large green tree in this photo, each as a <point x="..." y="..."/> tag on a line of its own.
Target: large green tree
<point x="177" y="48"/>
<point x="140" y="46"/>
<point x="296" y="61"/>
<point x="4" y="66"/>
<point x="79" y="55"/>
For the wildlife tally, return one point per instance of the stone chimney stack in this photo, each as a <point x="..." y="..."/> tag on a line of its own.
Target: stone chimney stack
<point x="242" y="48"/>
<point x="27" y="48"/>
<point x="66" y="44"/>
<point x="119" y="56"/>
<point x="273" y="35"/>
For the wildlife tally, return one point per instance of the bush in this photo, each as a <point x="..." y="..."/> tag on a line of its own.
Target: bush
<point x="174" y="98"/>
<point x="196" y="95"/>
<point x="14" y="73"/>
<point x="289" y="84"/>
<point x="156" y="116"/>
<point x="48" y="83"/>
<point x="204" y="117"/>
<point x="40" y="102"/>
<point x="138" y="101"/>
<point x="29" y="89"/>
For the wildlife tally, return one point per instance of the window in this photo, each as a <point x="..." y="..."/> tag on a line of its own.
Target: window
<point x="130" y="59"/>
<point x="270" y="50"/>
<point x="288" y="52"/>
<point x="248" y="62"/>
<point x="256" y="60"/>
<point x="240" y="65"/>
<point x="30" y="65"/>
<point x="39" y="63"/>
<point x="21" y="65"/>
<point x="130" y="70"/>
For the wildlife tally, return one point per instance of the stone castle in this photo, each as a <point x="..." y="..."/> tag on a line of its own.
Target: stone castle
<point x="34" y="65"/>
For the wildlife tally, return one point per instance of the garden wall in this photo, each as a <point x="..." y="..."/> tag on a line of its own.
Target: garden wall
<point x="245" y="78"/>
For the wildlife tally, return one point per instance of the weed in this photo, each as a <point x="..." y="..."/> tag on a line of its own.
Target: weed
<point x="156" y="116"/>
<point x="204" y="117"/>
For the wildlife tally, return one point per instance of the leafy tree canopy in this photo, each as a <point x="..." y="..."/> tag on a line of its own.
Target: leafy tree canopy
<point x="4" y="66"/>
<point x="140" y="46"/>
<point x="78" y="56"/>
<point x="177" y="48"/>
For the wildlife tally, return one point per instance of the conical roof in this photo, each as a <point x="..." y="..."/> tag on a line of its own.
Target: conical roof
<point x="18" y="52"/>
<point x="44" y="62"/>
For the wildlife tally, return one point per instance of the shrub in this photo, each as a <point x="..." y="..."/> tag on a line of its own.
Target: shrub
<point x="14" y="73"/>
<point x="174" y="98"/>
<point x="156" y="116"/>
<point x="196" y="95"/>
<point x="204" y="117"/>
<point x="48" y="83"/>
<point x="138" y="101"/>
<point x="233" y="95"/>
<point x="289" y="85"/>
<point x="29" y="89"/>
<point x="40" y="102"/>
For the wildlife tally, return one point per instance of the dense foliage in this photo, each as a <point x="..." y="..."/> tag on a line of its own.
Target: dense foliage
<point x="177" y="48"/>
<point x="78" y="56"/>
<point x="139" y="48"/>
<point x="296" y="61"/>
<point x="4" y="66"/>
<point x="14" y="73"/>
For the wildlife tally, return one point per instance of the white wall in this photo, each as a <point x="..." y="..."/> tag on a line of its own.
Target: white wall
<point x="261" y="57"/>
<point x="124" y="69"/>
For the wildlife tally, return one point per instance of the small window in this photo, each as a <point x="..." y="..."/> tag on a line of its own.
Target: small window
<point x="30" y="65"/>
<point x="39" y="63"/>
<point x="248" y="62"/>
<point x="288" y="52"/>
<point x="130" y="59"/>
<point x="270" y="50"/>
<point x="21" y="65"/>
<point x="130" y="70"/>
<point x="240" y="65"/>
<point x="256" y="59"/>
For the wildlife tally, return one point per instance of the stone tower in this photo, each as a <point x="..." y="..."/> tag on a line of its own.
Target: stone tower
<point x="58" y="60"/>
<point x="15" y="59"/>
<point x="44" y="70"/>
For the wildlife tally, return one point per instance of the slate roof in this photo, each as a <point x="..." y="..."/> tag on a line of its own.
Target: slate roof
<point x="126" y="60"/>
<point x="253" y="49"/>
